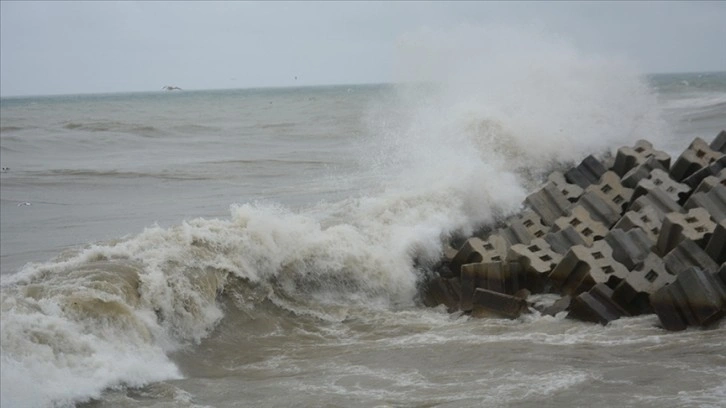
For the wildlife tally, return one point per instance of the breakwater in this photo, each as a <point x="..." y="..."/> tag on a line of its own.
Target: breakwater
<point x="633" y="234"/>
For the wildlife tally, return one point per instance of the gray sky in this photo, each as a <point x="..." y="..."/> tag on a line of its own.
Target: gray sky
<point x="88" y="47"/>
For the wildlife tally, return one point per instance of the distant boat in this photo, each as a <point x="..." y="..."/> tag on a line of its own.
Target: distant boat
<point x="171" y="88"/>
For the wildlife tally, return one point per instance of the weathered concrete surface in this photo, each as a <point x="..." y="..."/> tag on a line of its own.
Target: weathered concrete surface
<point x="641" y="171"/>
<point x="587" y="172"/>
<point x="697" y="156"/>
<point x="549" y="203"/>
<point x="696" y="298"/>
<point x="711" y="181"/>
<point x="582" y="267"/>
<point x="686" y="255"/>
<point x="537" y="256"/>
<point x="600" y="207"/>
<point x="441" y="291"/>
<point x="596" y="306"/>
<point x="719" y="142"/>
<point x="580" y="219"/>
<point x="629" y="247"/>
<point x="716" y="247"/>
<point x="561" y="305"/>
<point x="523" y="229"/>
<point x="695" y="225"/>
<point x="658" y="200"/>
<point x="502" y="277"/>
<point x="488" y="303"/>
<point x="611" y="189"/>
<point x="711" y="170"/>
<point x="561" y="241"/>
<point x="571" y="191"/>
<point x="633" y="293"/>
<point x="713" y="201"/>
<point x="677" y="192"/>
<point x="477" y="250"/>
<point x="646" y="219"/>
<point x="629" y="157"/>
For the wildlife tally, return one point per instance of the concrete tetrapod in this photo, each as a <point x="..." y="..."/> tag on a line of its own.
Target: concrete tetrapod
<point x="695" y="225"/>
<point x="696" y="298"/>
<point x="629" y="157"/>
<point x="713" y="201"/>
<point x="633" y="293"/>
<point x="582" y="267"/>
<point x="501" y="277"/>
<point x="697" y="156"/>
<point x="587" y="172"/>
<point x="477" y="250"/>
<point x="488" y="303"/>
<point x="677" y="192"/>
<point x="596" y="306"/>
<point x="549" y="203"/>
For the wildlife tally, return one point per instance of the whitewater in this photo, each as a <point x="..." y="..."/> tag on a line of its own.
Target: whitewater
<point x="265" y="247"/>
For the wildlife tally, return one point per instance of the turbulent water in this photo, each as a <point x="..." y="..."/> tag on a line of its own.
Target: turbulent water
<point x="263" y="247"/>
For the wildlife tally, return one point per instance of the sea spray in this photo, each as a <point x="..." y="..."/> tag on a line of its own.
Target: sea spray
<point x="452" y="150"/>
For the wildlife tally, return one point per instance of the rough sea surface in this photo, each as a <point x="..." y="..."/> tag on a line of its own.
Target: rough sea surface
<point x="263" y="247"/>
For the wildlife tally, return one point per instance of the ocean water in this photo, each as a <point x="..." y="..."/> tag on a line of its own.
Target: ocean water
<point x="264" y="247"/>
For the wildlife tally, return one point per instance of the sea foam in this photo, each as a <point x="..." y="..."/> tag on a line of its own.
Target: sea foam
<point x="479" y="111"/>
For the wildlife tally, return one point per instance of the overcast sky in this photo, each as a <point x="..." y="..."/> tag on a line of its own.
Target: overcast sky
<point x="89" y="47"/>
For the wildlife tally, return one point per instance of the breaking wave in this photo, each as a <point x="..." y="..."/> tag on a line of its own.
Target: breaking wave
<point x="479" y="115"/>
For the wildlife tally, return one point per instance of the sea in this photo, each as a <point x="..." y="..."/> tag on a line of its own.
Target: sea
<point x="266" y="247"/>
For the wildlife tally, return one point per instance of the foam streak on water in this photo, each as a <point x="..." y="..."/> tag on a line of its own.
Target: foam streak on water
<point x="303" y="290"/>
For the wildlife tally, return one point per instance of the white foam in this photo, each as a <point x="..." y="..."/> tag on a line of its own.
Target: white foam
<point x="443" y="158"/>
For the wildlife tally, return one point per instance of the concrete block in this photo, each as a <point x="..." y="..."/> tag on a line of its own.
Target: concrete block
<point x="711" y="170"/>
<point x="696" y="298"/>
<point x="716" y="247"/>
<point x="549" y="203"/>
<point x="713" y="201"/>
<point x="561" y="305"/>
<point x="562" y="240"/>
<point x="722" y="273"/>
<point x="449" y="253"/>
<point x="522" y="230"/>
<point x="697" y="156"/>
<point x="571" y="191"/>
<point x="658" y="200"/>
<point x="615" y="193"/>
<point x="587" y="172"/>
<point x="695" y="225"/>
<point x="641" y="171"/>
<point x="442" y="291"/>
<point x="488" y="303"/>
<point x="629" y="157"/>
<point x="580" y="219"/>
<point x="686" y="255"/>
<point x="677" y="192"/>
<point x="629" y="247"/>
<point x="596" y="306"/>
<point x="502" y="277"/>
<point x="710" y="182"/>
<point x="582" y="267"/>
<point x="719" y="143"/>
<point x="600" y="208"/>
<point x="537" y="257"/>
<point x="633" y="293"/>
<point x="477" y="250"/>
<point x="443" y="266"/>
<point x="646" y="219"/>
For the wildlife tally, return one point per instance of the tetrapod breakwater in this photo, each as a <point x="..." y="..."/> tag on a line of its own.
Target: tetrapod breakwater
<point x="627" y="235"/>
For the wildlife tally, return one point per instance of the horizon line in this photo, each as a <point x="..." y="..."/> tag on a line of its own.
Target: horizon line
<point x="19" y="96"/>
